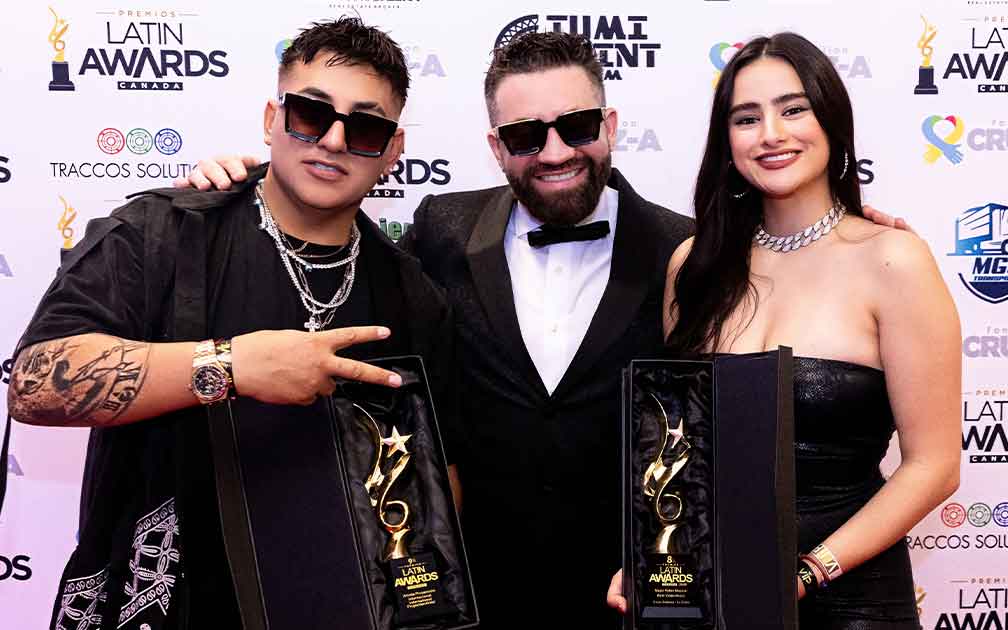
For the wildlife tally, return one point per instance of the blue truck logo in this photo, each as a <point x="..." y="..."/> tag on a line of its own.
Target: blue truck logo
<point x="982" y="233"/>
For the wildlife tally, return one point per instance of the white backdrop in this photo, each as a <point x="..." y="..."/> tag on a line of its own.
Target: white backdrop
<point x="129" y="123"/>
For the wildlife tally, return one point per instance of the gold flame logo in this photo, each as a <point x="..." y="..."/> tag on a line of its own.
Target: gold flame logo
<point x="924" y="43"/>
<point x="63" y="225"/>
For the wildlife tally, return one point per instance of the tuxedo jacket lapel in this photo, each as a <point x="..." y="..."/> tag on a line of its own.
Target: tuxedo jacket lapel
<point x="630" y="274"/>
<point x="490" y="275"/>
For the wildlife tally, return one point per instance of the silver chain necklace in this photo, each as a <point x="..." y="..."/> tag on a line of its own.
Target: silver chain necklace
<point x="809" y="235"/>
<point x="320" y="314"/>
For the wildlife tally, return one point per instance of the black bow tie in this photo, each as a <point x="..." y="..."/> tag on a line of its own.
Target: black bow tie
<point x="549" y="234"/>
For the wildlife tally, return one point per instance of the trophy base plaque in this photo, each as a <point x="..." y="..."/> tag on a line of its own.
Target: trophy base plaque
<point x="61" y="78"/>
<point x="925" y="81"/>
<point x="418" y="593"/>
<point x="670" y="589"/>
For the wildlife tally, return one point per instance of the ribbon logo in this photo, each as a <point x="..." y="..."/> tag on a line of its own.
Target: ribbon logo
<point x="717" y="57"/>
<point x="946" y="146"/>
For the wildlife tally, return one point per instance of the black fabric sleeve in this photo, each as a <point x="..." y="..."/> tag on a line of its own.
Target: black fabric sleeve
<point x="412" y="239"/>
<point x="99" y="288"/>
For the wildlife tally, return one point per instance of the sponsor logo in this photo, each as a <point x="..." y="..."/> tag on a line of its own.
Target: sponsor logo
<point x="65" y="223"/>
<point x="981" y="604"/>
<point x="5" y="174"/>
<point x="377" y="4"/>
<point x="992" y="344"/>
<point x="147" y="50"/>
<point x="5" y="270"/>
<point x="620" y="42"/>
<point x="13" y="467"/>
<point x="5" y="370"/>
<point x="393" y="229"/>
<point x="848" y="65"/>
<point x="719" y="55"/>
<point x="632" y="136"/>
<point x="944" y="138"/>
<point x="984" y="440"/>
<point x="423" y="63"/>
<point x="957" y="542"/>
<point x="411" y="172"/>
<point x="919" y="595"/>
<point x="280" y="47"/>
<point x="864" y="172"/>
<point x="981" y="240"/>
<point x="137" y="141"/>
<point x="15" y="568"/>
<point x="979" y="514"/>
<point x="953" y="515"/>
<point x="977" y="54"/>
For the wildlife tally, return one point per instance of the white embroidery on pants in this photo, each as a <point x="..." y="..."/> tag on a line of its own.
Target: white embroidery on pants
<point x="154" y="563"/>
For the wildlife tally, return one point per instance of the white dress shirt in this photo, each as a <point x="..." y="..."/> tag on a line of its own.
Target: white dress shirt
<point x="557" y="288"/>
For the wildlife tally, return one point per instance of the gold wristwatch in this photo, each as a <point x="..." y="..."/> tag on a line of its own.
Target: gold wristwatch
<point x="212" y="380"/>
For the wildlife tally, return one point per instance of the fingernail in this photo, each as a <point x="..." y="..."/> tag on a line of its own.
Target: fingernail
<point x="395" y="380"/>
<point x="383" y="332"/>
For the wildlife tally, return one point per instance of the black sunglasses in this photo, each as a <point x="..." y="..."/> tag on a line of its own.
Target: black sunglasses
<point x="309" y="119"/>
<point x="528" y="137"/>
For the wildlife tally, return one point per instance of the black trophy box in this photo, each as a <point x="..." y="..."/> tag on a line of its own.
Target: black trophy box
<point x="708" y="477"/>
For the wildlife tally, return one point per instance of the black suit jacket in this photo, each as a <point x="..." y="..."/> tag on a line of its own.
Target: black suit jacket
<point x="541" y="472"/>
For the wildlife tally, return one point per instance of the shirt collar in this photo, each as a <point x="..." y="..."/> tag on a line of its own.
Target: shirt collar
<point x="522" y="222"/>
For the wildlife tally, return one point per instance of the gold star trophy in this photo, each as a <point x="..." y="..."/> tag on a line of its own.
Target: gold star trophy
<point x="670" y="578"/>
<point x="414" y="577"/>
<point x="925" y="74"/>
<point x="60" y="68"/>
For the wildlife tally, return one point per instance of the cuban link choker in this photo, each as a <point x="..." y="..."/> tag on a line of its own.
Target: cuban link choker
<point x="320" y="314"/>
<point x="809" y="235"/>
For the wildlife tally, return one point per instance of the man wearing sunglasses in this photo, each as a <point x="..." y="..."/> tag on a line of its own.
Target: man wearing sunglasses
<point x="291" y="288"/>
<point x="557" y="283"/>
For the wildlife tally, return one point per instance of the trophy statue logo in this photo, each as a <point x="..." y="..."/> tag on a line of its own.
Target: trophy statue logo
<point x="666" y="504"/>
<point x="60" y="68"/>
<point x="64" y="224"/>
<point x="925" y="74"/>
<point x="413" y="577"/>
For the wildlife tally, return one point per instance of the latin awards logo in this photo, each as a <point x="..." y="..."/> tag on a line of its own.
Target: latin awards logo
<point x="981" y="240"/>
<point x="981" y="604"/>
<point x="981" y="58"/>
<point x="147" y="50"/>
<point x="411" y="172"/>
<point x="983" y="435"/>
<point x="621" y="43"/>
<point x="65" y="223"/>
<point x="5" y="174"/>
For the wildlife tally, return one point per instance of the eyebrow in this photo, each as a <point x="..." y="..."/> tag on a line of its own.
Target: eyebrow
<point x="322" y="95"/>
<point x="780" y="100"/>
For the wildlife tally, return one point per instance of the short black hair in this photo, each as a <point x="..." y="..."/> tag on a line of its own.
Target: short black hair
<point x="352" y="43"/>
<point x="534" y="52"/>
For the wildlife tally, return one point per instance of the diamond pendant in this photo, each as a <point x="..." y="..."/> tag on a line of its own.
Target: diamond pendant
<point x="312" y="324"/>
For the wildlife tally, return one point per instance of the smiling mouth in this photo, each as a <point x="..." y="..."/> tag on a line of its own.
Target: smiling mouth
<point x="331" y="168"/>
<point x="779" y="157"/>
<point x="560" y="177"/>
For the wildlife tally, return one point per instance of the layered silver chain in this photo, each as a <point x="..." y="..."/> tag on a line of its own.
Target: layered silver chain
<point x="320" y="314"/>
<point x="809" y="235"/>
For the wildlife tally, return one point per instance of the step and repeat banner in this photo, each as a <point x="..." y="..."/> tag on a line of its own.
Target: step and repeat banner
<point x="102" y="99"/>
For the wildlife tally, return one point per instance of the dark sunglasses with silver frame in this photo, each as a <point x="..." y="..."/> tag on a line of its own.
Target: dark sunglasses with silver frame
<point x="527" y="137"/>
<point x="310" y="119"/>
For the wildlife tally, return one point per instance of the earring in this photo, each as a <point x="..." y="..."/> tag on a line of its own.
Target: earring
<point x="744" y="192"/>
<point x="844" y="173"/>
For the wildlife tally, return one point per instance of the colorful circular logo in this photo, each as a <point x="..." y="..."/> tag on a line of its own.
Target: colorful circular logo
<point x="979" y="514"/>
<point x="954" y="514"/>
<point x="111" y="140"/>
<point x="282" y="46"/>
<point x="168" y="141"/>
<point x="1001" y="514"/>
<point x="717" y="54"/>
<point x="139" y="141"/>
<point x="938" y="146"/>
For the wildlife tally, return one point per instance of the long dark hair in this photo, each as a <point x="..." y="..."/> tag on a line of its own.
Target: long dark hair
<point x="714" y="278"/>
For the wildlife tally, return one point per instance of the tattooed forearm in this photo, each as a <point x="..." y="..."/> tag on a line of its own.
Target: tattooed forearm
<point x="79" y="381"/>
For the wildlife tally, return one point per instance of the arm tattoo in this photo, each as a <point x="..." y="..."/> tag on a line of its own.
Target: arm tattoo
<point x="55" y="384"/>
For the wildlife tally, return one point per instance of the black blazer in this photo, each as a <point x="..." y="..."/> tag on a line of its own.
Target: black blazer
<point x="541" y="473"/>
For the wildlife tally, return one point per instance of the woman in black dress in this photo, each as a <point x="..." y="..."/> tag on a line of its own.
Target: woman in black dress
<point x="873" y="327"/>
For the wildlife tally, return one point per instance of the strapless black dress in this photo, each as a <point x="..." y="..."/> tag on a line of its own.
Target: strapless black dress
<point x="843" y="424"/>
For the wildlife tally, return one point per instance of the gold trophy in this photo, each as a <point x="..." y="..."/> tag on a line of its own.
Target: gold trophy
<point x="60" y="68"/>
<point x="925" y="74"/>
<point x="414" y="577"/>
<point x="670" y="579"/>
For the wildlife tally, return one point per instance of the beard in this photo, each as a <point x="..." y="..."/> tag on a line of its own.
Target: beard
<point x="566" y="207"/>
